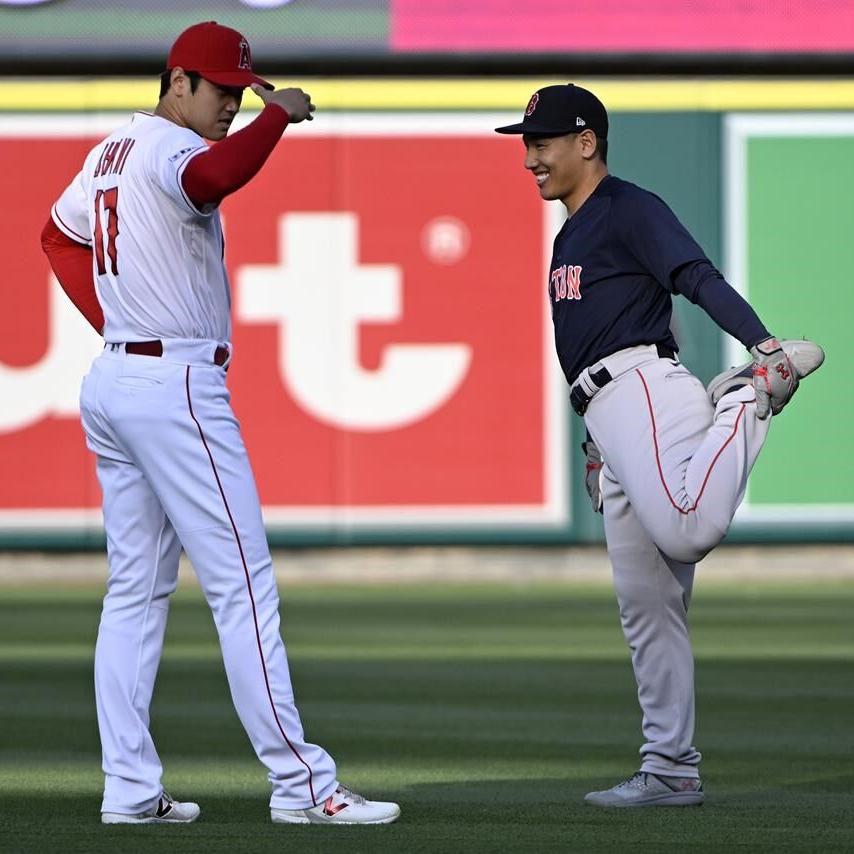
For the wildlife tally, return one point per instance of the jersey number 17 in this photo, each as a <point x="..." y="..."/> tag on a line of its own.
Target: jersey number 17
<point x="110" y="199"/>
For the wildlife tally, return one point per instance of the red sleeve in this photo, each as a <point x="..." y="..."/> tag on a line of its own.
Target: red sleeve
<point x="72" y="264"/>
<point x="228" y="165"/>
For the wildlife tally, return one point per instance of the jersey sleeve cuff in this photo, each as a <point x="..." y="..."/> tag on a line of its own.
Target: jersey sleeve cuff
<point x="205" y="211"/>
<point x="67" y="230"/>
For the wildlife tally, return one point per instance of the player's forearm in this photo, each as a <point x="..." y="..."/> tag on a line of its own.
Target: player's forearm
<point x="72" y="265"/>
<point x="228" y="165"/>
<point x="703" y="285"/>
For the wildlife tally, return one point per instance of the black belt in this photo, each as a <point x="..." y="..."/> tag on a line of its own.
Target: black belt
<point x="580" y="399"/>
<point x="155" y="348"/>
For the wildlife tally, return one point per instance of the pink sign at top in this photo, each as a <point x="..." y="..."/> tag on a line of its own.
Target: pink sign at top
<point x="655" y="26"/>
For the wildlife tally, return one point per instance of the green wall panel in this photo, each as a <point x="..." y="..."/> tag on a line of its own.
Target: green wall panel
<point x="800" y="257"/>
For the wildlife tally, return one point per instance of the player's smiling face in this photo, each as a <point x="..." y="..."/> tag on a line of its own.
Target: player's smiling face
<point x="210" y="110"/>
<point x="556" y="162"/>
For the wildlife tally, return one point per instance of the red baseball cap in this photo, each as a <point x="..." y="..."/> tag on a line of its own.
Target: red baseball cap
<point x="218" y="53"/>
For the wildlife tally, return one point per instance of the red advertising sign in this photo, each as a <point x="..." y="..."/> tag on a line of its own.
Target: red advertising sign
<point x="392" y="346"/>
<point x="645" y="26"/>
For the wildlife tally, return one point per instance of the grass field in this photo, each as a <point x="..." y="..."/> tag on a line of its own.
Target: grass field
<point x="487" y="711"/>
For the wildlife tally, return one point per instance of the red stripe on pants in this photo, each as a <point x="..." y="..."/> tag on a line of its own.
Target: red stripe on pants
<point x="251" y="596"/>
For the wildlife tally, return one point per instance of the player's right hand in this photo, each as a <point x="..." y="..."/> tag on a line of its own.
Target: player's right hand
<point x="593" y="474"/>
<point x="295" y="102"/>
<point x="774" y="377"/>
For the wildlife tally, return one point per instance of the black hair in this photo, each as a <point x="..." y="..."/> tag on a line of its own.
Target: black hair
<point x="166" y="81"/>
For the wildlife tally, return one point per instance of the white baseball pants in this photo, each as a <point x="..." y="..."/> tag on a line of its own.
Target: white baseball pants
<point x="174" y="472"/>
<point x="675" y="471"/>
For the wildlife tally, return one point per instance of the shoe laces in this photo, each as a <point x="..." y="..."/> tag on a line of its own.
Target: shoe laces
<point x="638" y="780"/>
<point x="350" y="795"/>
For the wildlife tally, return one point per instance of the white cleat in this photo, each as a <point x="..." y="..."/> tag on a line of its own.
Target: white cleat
<point x="341" y="807"/>
<point x="643" y="789"/>
<point x="166" y="811"/>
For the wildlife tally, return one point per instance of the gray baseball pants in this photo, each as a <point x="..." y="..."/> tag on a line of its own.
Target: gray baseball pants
<point x="675" y="470"/>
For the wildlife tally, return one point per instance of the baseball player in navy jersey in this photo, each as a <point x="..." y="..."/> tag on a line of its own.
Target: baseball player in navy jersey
<point x="136" y="242"/>
<point x="667" y="460"/>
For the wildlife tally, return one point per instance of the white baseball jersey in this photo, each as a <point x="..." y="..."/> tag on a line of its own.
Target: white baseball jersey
<point x="157" y="259"/>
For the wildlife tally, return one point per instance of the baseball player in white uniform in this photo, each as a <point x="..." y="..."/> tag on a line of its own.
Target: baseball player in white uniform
<point x="142" y="214"/>
<point x="676" y="455"/>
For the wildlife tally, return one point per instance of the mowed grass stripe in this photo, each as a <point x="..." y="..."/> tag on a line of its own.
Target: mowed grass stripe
<point x="454" y="623"/>
<point x="725" y="651"/>
<point x="488" y="711"/>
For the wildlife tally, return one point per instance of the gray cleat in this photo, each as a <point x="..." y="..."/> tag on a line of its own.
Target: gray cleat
<point x="805" y="357"/>
<point x="643" y="789"/>
<point x="730" y="380"/>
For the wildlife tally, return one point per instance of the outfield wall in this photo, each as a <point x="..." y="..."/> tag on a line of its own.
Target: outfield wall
<point x="393" y="366"/>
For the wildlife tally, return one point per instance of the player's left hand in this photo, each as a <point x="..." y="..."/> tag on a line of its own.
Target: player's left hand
<point x="774" y="377"/>
<point x="296" y="103"/>
<point x="593" y="476"/>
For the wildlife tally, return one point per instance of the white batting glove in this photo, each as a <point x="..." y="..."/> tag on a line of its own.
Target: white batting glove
<point x="593" y="474"/>
<point x="774" y="377"/>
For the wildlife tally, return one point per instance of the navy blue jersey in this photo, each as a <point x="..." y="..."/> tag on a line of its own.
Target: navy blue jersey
<point x="610" y="281"/>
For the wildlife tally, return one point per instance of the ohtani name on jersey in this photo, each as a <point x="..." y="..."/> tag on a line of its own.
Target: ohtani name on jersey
<point x="565" y="282"/>
<point x="113" y="157"/>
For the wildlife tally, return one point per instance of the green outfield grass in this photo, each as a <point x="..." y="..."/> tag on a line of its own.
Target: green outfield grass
<point x="487" y="712"/>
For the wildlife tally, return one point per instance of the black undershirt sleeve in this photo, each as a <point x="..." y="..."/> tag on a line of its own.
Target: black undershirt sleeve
<point x="702" y="284"/>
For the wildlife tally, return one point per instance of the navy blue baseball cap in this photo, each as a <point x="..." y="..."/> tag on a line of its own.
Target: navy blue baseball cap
<point x="559" y="110"/>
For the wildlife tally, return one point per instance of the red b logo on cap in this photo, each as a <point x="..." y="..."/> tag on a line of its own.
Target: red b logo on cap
<point x="532" y="104"/>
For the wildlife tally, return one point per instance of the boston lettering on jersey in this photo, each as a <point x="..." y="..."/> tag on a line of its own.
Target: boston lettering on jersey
<point x="610" y="279"/>
<point x="565" y="283"/>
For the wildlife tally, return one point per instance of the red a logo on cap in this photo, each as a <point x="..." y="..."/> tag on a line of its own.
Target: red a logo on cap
<point x="244" y="62"/>
<point x="532" y="104"/>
